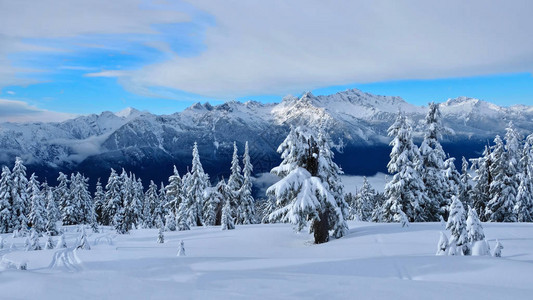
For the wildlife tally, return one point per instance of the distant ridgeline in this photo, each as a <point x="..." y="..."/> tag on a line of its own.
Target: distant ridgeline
<point x="150" y="145"/>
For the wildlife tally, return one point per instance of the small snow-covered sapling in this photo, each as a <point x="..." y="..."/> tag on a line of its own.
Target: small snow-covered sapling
<point x="442" y="246"/>
<point x="61" y="243"/>
<point x="49" y="243"/>
<point x="498" y="249"/>
<point x="161" y="236"/>
<point x="181" y="251"/>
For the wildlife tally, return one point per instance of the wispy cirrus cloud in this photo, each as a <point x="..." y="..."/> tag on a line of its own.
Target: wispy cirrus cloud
<point x="25" y="25"/>
<point x="22" y="112"/>
<point x="277" y="47"/>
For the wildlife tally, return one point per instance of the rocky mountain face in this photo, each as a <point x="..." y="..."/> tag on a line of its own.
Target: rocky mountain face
<point x="149" y="144"/>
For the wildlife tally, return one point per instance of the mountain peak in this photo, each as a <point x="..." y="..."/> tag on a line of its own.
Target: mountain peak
<point x="127" y="112"/>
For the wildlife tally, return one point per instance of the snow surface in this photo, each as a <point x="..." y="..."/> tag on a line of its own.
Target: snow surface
<point x="270" y="261"/>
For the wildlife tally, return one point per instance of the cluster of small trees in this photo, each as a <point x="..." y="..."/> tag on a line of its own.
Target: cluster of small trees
<point x="185" y="202"/>
<point x="425" y="179"/>
<point x="467" y="236"/>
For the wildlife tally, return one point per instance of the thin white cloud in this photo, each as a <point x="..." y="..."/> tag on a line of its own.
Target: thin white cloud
<point x="23" y="20"/>
<point x="278" y="47"/>
<point x="22" y="112"/>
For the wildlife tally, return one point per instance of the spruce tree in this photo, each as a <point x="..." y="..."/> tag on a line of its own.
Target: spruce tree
<point x="19" y="196"/>
<point x="99" y="203"/>
<point x="170" y="222"/>
<point x="151" y="207"/>
<point x="364" y="201"/>
<point x="406" y="190"/>
<point x="474" y="230"/>
<point x="465" y="187"/>
<point x="37" y="209"/>
<point x="483" y="180"/>
<point x="523" y="208"/>
<point x="234" y="184"/>
<point x="69" y="206"/>
<point x="163" y="200"/>
<point x="432" y="168"/>
<point x="227" y="220"/>
<point x="61" y="193"/>
<point x="52" y="211"/>
<point x="113" y="198"/>
<point x="303" y="194"/>
<point x="457" y="225"/>
<point x="502" y="190"/>
<point x="329" y="172"/>
<point x="6" y="213"/>
<point x="247" y="202"/>
<point x="213" y="200"/>
<point x="195" y="186"/>
<point x="174" y="191"/>
<point x="454" y="185"/>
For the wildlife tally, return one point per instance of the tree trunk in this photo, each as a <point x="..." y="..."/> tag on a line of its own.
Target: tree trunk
<point x="321" y="228"/>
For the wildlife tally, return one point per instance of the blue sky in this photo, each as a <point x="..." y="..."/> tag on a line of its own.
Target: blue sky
<point x="60" y="58"/>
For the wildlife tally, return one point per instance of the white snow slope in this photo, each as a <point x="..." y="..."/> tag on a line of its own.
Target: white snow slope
<point x="270" y="261"/>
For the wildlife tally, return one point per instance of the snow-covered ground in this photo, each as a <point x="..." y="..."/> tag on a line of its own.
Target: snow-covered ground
<point x="270" y="261"/>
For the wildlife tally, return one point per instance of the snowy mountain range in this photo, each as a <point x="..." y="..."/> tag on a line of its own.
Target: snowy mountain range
<point x="150" y="144"/>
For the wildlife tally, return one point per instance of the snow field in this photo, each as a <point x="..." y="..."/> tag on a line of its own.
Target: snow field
<point x="270" y="261"/>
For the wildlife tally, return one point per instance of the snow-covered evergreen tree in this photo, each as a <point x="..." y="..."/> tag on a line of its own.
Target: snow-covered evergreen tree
<point x="213" y="200"/>
<point x="82" y="200"/>
<point x="182" y="217"/>
<point x="483" y="180"/>
<point x="247" y="202"/>
<point x="170" y="222"/>
<point x="524" y="200"/>
<point x="50" y="244"/>
<point x="161" y="236"/>
<point x="432" y="167"/>
<point x="406" y="191"/>
<point x="113" y="197"/>
<point x="523" y="208"/>
<point x="457" y="225"/>
<point x="303" y="194"/>
<point x="442" y="246"/>
<point x="163" y="200"/>
<point x="465" y="187"/>
<point x="453" y="179"/>
<point x="329" y="172"/>
<point x="52" y="211"/>
<point x="62" y="193"/>
<point x="474" y="229"/>
<point x="69" y="206"/>
<point x="364" y="201"/>
<point x="37" y="205"/>
<point x="227" y="219"/>
<point x="33" y="242"/>
<point x="181" y="250"/>
<point x="513" y="148"/>
<point x="498" y="249"/>
<point x="174" y="191"/>
<point x="61" y="243"/>
<point x="20" y="205"/>
<point x="136" y="205"/>
<point x="99" y="203"/>
<point x="6" y="213"/>
<point x="502" y="190"/>
<point x="234" y="185"/>
<point x="151" y="209"/>
<point x="83" y="244"/>
<point x="195" y="186"/>
<point x="377" y="213"/>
